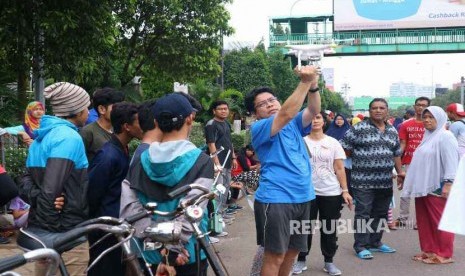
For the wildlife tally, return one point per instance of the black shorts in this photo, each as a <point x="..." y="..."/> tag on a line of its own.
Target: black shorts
<point x="273" y="224"/>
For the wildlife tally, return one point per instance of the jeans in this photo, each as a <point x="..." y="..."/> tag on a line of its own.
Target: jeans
<point x="371" y="210"/>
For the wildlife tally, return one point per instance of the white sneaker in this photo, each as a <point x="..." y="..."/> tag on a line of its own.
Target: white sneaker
<point x="332" y="269"/>
<point x="213" y="240"/>
<point x="222" y="234"/>
<point x="299" y="267"/>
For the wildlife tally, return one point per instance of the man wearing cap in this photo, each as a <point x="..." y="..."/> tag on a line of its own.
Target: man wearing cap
<point x="456" y="113"/>
<point x="410" y="135"/>
<point x="58" y="167"/>
<point x="167" y="165"/>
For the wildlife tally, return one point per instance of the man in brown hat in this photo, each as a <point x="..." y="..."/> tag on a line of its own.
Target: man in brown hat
<point x="57" y="165"/>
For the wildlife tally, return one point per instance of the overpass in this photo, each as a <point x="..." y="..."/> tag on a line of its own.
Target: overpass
<point x="365" y="42"/>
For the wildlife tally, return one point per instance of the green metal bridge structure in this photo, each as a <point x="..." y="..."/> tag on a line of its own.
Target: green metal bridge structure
<point x="319" y="30"/>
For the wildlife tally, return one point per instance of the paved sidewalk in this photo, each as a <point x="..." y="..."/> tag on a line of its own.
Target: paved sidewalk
<point x="11" y="249"/>
<point x="238" y="248"/>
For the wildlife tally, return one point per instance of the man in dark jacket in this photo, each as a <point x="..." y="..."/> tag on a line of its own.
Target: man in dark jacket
<point x="167" y="165"/>
<point x="8" y="191"/>
<point x="58" y="167"/>
<point x="107" y="171"/>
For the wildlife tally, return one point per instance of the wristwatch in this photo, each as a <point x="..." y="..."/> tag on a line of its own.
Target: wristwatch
<point x="314" y="90"/>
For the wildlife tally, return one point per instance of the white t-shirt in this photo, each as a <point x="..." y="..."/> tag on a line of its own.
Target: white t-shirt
<point x="324" y="152"/>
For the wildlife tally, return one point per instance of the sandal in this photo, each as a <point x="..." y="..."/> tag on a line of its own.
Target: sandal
<point x="420" y="257"/>
<point x="436" y="260"/>
<point x="365" y="255"/>
<point x="383" y="249"/>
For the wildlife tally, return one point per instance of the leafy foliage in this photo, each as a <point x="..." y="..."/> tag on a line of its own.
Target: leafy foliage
<point x="452" y="96"/>
<point x="246" y="69"/>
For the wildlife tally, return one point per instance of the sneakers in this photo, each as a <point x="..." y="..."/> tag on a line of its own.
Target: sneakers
<point x="228" y="216"/>
<point x="230" y="212"/>
<point x="235" y="207"/>
<point x="299" y="267"/>
<point x="213" y="240"/>
<point x="222" y="234"/>
<point x="331" y="269"/>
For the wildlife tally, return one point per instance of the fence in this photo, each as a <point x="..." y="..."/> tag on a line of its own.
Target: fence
<point x="13" y="154"/>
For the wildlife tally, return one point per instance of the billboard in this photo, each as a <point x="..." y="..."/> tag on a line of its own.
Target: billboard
<point x="397" y="14"/>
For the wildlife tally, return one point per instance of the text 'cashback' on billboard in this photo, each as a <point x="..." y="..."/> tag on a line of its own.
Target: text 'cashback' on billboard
<point x="397" y="14"/>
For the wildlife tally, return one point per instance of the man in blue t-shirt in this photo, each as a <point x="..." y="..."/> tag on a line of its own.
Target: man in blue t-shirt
<point x="282" y="199"/>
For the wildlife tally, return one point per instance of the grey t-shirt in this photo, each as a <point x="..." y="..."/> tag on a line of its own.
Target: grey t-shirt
<point x="94" y="137"/>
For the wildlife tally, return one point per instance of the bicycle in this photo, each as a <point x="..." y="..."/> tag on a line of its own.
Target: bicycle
<point x="18" y="260"/>
<point x="163" y="232"/>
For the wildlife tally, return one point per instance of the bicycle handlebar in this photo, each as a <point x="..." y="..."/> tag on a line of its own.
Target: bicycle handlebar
<point x="34" y="255"/>
<point x="81" y="231"/>
<point x="9" y="263"/>
<point x="186" y="189"/>
<point x="101" y="220"/>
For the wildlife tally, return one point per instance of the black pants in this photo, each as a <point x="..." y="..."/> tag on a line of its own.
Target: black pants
<point x="8" y="189"/>
<point x="371" y="210"/>
<point x="329" y="210"/>
<point x="110" y="264"/>
<point x="348" y="176"/>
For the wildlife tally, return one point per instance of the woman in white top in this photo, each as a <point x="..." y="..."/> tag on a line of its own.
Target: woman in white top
<point x="329" y="180"/>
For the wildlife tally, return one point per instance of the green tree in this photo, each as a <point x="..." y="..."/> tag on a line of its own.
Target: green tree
<point x="283" y="77"/>
<point x="71" y="36"/>
<point x="452" y="96"/>
<point x="205" y="92"/>
<point x="246" y="69"/>
<point x="179" y="39"/>
<point x="235" y="100"/>
<point x="108" y="42"/>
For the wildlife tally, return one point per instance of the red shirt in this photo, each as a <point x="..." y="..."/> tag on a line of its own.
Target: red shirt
<point x="2" y="170"/>
<point x="238" y="170"/>
<point x="411" y="131"/>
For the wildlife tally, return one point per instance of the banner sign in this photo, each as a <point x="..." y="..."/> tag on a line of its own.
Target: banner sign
<point x="350" y="15"/>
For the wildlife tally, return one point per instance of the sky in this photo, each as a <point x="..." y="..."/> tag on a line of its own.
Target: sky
<point x="365" y="75"/>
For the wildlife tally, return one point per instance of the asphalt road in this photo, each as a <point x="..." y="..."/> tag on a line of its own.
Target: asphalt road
<point x="238" y="248"/>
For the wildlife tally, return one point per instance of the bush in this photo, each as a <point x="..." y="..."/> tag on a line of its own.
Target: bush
<point x="15" y="156"/>
<point x="241" y="139"/>
<point x="197" y="136"/>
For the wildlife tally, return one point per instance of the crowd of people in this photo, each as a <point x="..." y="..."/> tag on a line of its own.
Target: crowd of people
<point x="303" y="165"/>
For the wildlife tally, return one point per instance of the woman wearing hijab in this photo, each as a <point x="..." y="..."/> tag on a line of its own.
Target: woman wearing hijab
<point x="429" y="180"/>
<point x="338" y="127"/>
<point x="34" y="111"/>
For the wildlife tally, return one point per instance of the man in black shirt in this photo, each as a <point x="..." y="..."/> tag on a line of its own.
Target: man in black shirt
<point x="218" y="134"/>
